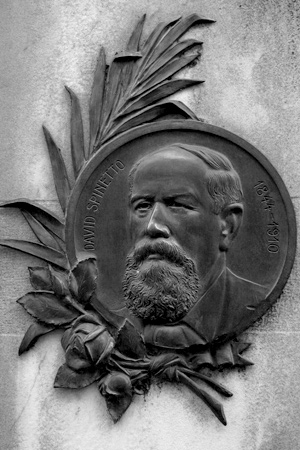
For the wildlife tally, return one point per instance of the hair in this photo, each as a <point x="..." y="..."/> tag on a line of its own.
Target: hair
<point x="223" y="182"/>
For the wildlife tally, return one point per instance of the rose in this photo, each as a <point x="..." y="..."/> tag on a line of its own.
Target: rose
<point x="115" y="383"/>
<point x="116" y="387"/>
<point x="87" y="343"/>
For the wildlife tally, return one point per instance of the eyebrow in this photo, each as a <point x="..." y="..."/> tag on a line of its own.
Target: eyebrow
<point x="187" y="196"/>
<point x="136" y="197"/>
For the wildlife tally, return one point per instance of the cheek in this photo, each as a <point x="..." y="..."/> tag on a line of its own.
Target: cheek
<point x="199" y="236"/>
<point x="136" y="226"/>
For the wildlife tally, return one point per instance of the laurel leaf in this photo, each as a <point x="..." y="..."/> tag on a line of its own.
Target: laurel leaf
<point x="158" y="93"/>
<point x="49" y="219"/>
<point x="59" y="170"/>
<point x="35" y="331"/>
<point x="43" y="235"/>
<point x="40" y="251"/>
<point x="77" y="138"/>
<point x="96" y="100"/>
<point x="47" y="308"/>
<point x="68" y="378"/>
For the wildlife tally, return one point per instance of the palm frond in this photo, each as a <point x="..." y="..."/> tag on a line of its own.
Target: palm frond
<point x="40" y="251"/>
<point x="43" y="235"/>
<point x="77" y="138"/>
<point x="47" y="218"/>
<point x="142" y="76"/>
<point x="96" y="100"/>
<point x="59" y="171"/>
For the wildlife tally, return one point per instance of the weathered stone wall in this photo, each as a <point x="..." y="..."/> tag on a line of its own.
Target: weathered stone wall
<point x="251" y="64"/>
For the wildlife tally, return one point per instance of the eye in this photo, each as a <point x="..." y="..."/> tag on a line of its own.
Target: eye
<point x="142" y="206"/>
<point x="178" y="205"/>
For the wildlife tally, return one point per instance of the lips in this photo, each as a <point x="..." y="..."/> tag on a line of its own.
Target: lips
<point x="154" y="256"/>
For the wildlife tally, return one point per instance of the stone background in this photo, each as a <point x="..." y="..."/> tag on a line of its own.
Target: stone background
<point x="251" y="64"/>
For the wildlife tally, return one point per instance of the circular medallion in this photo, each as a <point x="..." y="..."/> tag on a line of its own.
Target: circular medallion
<point x="262" y="253"/>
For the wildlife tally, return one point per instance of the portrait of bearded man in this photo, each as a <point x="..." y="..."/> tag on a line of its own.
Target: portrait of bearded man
<point x="185" y="208"/>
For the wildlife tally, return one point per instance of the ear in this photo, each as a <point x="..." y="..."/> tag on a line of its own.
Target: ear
<point x="231" y="219"/>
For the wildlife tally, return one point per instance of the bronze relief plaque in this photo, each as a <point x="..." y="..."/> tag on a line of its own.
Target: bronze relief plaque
<point x="175" y="237"/>
<point x="262" y="251"/>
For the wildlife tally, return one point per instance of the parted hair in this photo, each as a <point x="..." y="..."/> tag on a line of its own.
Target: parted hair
<point x="223" y="182"/>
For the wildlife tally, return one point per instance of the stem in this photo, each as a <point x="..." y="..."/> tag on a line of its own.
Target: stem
<point x="74" y="304"/>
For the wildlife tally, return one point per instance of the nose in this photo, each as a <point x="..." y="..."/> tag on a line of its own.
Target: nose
<point x="156" y="226"/>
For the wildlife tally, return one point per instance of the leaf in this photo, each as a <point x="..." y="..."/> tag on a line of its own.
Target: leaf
<point x="158" y="93"/>
<point x="35" y="331"/>
<point x="117" y="405"/>
<point x="47" y="308"/>
<point x="210" y="401"/>
<point x="152" y="42"/>
<point x="77" y="138"/>
<point x="59" y="170"/>
<point x="178" y="49"/>
<point x="112" y="93"/>
<point x="134" y="41"/>
<point x="125" y="56"/>
<point x="48" y="218"/>
<point x="152" y="113"/>
<point x="167" y="71"/>
<point x="130" y="341"/>
<point x="216" y="386"/>
<point x="174" y="33"/>
<point x="68" y="378"/>
<point x="38" y="250"/>
<point x="96" y="100"/>
<point x="137" y="80"/>
<point x="86" y="276"/>
<point x="43" y="235"/>
<point x="40" y="278"/>
<point x="60" y="282"/>
<point x="132" y="50"/>
<point x="119" y="77"/>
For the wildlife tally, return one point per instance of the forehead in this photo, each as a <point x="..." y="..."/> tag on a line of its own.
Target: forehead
<point x="170" y="170"/>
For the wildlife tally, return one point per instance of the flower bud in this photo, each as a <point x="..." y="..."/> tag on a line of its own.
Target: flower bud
<point x="115" y="383"/>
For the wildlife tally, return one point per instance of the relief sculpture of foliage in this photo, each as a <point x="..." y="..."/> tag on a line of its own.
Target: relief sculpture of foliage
<point x="105" y="348"/>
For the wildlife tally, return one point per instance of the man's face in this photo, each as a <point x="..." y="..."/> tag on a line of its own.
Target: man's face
<point x="175" y="236"/>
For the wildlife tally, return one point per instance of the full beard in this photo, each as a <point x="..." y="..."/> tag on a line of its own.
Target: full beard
<point x="160" y="291"/>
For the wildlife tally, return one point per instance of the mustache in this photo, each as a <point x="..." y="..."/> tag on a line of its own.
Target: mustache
<point x="169" y="251"/>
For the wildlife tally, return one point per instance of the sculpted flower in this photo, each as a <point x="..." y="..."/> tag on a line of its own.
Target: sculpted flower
<point x="87" y="343"/>
<point x="116" y="387"/>
<point x="116" y="383"/>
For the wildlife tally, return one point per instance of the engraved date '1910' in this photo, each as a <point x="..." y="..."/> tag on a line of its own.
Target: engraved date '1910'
<point x="263" y="191"/>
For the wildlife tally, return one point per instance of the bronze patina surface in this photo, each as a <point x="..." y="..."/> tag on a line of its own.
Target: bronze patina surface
<point x="174" y="238"/>
<point x="261" y="252"/>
